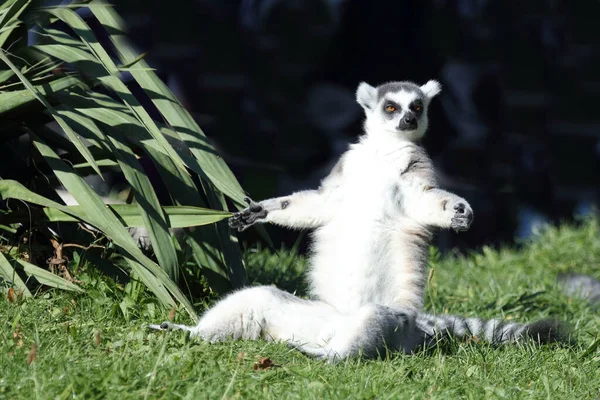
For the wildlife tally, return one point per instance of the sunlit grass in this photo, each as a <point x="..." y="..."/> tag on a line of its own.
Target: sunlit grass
<point x="95" y="345"/>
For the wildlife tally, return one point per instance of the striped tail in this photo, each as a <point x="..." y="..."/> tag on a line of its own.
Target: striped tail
<point x="494" y="331"/>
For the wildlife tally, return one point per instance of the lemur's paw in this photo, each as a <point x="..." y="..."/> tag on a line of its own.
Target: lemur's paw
<point x="463" y="217"/>
<point x="247" y="217"/>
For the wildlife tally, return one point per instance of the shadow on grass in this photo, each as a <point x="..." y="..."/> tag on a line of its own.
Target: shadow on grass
<point x="284" y="269"/>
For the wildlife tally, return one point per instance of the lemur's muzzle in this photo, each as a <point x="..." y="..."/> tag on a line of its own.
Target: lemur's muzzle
<point x="408" y="122"/>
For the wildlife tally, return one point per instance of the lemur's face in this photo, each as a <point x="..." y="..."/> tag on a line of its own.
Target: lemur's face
<point x="399" y="108"/>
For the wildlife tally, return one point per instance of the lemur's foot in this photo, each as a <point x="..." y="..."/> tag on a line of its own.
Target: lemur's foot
<point x="165" y="326"/>
<point x="249" y="216"/>
<point x="463" y="217"/>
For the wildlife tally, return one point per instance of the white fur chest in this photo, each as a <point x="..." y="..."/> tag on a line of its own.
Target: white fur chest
<point x="352" y="259"/>
<point x="372" y="173"/>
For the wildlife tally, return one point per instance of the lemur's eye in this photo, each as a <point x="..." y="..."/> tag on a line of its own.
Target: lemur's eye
<point x="418" y="108"/>
<point x="390" y="108"/>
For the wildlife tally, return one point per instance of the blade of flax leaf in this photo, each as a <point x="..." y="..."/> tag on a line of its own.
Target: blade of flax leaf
<point x="9" y="274"/>
<point x="107" y="222"/>
<point x="9" y="14"/>
<point x="110" y="79"/>
<point x="11" y="100"/>
<point x="204" y="241"/>
<point x="14" y="190"/>
<point x="45" y="277"/>
<point x="211" y="165"/>
<point x="147" y="201"/>
<point x="81" y="147"/>
<point x="129" y="214"/>
<point x="97" y="214"/>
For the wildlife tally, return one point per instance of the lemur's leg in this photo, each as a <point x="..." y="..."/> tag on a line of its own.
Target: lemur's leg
<point x="306" y="209"/>
<point x="261" y="312"/>
<point x="312" y="327"/>
<point x="437" y="207"/>
<point x="371" y="331"/>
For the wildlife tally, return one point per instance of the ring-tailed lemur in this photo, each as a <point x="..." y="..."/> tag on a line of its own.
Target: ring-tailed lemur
<point x="373" y="218"/>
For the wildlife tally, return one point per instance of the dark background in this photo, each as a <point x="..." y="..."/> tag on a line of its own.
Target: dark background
<point x="272" y="83"/>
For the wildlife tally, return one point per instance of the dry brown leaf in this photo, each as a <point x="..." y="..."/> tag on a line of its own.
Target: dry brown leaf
<point x="18" y="336"/>
<point x="264" y="363"/>
<point x="241" y="356"/>
<point x="32" y="355"/>
<point x="171" y="315"/>
<point x="11" y="295"/>
<point x="97" y="337"/>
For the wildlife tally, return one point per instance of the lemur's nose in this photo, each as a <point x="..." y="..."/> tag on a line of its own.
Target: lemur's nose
<point x="408" y="122"/>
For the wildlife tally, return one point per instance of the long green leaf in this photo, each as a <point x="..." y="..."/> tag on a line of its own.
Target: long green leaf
<point x="81" y="147"/>
<point x="9" y="274"/>
<point x="146" y="198"/>
<point x="207" y="242"/>
<point x="96" y="213"/>
<point x="110" y="78"/>
<point x="210" y="163"/>
<point x="10" y="17"/>
<point x="129" y="214"/>
<point x="101" y="217"/>
<point x="203" y="241"/>
<point x="155" y="285"/>
<point x="46" y="277"/>
<point x="151" y="212"/>
<point x="11" y="100"/>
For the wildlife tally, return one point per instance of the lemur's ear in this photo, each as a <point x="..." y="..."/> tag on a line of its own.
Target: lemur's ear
<point x="431" y="89"/>
<point x="366" y="96"/>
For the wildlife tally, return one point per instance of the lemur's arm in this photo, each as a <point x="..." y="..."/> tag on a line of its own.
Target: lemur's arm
<point x="427" y="204"/>
<point x="305" y="209"/>
<point x="439" y="208"/>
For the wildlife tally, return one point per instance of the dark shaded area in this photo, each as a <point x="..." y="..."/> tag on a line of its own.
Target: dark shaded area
<point x="272" y="83"/>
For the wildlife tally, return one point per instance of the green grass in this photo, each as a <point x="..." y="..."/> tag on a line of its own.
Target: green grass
<point x="95" y="345"/>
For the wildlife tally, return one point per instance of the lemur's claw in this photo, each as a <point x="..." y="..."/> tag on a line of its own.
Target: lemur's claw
<point x="242" y="220"/>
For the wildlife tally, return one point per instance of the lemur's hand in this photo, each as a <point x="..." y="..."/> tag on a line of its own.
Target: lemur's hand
<point x="247" y="217"/>
<point x="463" y="216"/>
